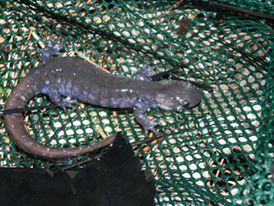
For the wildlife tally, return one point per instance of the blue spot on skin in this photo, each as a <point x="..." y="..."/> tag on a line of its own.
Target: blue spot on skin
<point x="46" y="90"/>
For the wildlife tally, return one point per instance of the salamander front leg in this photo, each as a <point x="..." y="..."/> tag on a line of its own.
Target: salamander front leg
<point x="148" y="125"/>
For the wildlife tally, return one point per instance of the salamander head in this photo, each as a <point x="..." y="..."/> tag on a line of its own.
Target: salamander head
<point x="177" y="95"/>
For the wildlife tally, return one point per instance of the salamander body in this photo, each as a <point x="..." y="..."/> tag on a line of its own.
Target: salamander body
<point x="67" y="80"/>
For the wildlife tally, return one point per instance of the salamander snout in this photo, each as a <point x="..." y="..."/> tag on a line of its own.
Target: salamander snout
<point x="178" y="96"/>
<point x="188" y="101"/>
<point x="191" y="98"/>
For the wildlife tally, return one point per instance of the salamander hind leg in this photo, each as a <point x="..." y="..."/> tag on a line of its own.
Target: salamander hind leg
<point x="145" y="73"/>
<point x="62" y="101"/>
<point x="52" y="48"/>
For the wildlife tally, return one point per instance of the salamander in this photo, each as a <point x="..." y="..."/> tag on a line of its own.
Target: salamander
<point x="68" y="80"/>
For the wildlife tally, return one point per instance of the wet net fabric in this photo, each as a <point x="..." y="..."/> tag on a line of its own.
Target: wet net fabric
<point x="219" y="153"/>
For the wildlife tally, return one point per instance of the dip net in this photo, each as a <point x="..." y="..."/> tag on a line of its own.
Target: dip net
<point x="219" y="153"/>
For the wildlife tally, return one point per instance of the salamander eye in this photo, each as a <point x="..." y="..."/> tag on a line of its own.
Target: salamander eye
<point x="188" y="84"/>
<point x="186" y="104"/>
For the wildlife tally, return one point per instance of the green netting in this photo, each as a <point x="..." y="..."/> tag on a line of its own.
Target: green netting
<point x="219" y="153"/>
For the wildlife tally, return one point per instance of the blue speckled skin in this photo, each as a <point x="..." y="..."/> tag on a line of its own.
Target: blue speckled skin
<point x="83" y="81"/>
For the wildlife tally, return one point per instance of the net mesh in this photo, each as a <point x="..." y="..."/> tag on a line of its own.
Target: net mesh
<point x="219" y="153"/>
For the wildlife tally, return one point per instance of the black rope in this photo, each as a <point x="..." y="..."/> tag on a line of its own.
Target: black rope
<point x="26" y="109"/>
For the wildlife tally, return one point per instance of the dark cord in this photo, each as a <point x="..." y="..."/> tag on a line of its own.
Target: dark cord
<point x="26" y="109"/>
